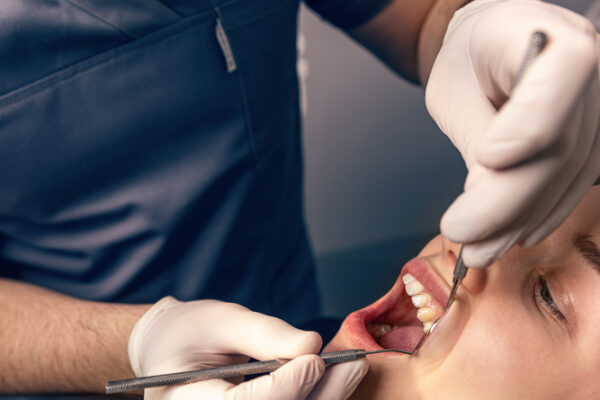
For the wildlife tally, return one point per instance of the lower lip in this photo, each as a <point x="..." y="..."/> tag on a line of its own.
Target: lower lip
<point x="356" y="323"/>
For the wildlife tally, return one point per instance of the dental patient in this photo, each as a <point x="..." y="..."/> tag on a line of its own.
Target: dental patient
<point x="528" y="327"/>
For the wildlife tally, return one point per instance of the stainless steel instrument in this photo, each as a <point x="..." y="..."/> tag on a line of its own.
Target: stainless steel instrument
<point x="536" y="45"/>
<point x="233" y="371"/>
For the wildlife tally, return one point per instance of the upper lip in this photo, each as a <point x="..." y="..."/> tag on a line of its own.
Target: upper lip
<point x="423" y="271"/>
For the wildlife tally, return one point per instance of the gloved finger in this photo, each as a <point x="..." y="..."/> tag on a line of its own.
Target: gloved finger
<point x="542" y="217"/>
<point x="495" y="199"/>
<point x="472" y="112"/>
<point x="565" y="185"/>
<point x="192" y="360"/>
<point x="483" y="253"/>
<point x="241" y="331"/>
<point x="267" y="337"/>
<point x="581" y="124"/>
<point x="574" y="18"/>
<point x="547" y="211"/>
<point x="340" y="380"/>
<point x="589" y="173"/>
<point x="533" y="117"/>
<point x="209" y="390"/>
<point x="293" y="381"/>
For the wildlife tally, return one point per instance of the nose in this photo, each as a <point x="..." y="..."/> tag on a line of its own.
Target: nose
<point x="475" y="280"/>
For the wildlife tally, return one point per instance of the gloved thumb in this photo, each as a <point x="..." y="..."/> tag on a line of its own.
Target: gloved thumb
<point x="340" y="380"/>
<point x="294" y="380"/>
<point x="241" y="331"/>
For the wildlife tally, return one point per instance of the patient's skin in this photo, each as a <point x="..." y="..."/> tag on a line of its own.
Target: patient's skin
<point x="501" y="339"/>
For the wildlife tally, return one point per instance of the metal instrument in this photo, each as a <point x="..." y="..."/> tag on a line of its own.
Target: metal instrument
<point x="536" y="45"/>
<point x="231" y="371"/>
<point x="460" y="270"/>
<point x="240" y="370"/>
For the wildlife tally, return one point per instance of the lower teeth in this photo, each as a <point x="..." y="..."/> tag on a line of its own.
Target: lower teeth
<point x="427" y="326"/>
<point x="378" y="330"/>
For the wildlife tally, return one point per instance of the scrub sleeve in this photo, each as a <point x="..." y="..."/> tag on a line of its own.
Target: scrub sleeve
<point x="153" y="147"/>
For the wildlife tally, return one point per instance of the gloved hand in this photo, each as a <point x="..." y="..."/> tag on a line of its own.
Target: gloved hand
<point x="531" y="152"/>
<point x="176" y="336"/>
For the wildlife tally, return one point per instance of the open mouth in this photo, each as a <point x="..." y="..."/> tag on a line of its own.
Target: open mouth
<point x="400" y="318"/>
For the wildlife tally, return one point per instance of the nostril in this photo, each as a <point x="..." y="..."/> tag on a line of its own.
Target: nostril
<point x="452" y="257"/>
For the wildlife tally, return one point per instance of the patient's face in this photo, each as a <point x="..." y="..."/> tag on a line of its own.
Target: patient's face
<point x="528" y="327"/>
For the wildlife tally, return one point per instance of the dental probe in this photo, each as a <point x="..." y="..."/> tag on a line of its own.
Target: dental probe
<point x="232" y="371"/>
<point x="460" y="270"/>
<point x="536" y="45"/>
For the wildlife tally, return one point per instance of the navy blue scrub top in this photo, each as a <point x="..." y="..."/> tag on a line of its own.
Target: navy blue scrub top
<point x="153" y="147"/>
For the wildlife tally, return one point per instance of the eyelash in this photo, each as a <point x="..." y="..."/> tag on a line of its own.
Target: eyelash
<point x="543" y="295"/>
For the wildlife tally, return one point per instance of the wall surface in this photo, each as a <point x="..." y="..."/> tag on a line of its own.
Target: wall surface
<point x="376" y="166"/>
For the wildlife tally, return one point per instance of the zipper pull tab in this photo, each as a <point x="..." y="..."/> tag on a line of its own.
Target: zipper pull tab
<point x="224" y="43"/>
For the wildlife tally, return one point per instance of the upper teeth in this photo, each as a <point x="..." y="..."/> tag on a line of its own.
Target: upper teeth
<point x="412" y="285"/>
<point x="421" y="300"/>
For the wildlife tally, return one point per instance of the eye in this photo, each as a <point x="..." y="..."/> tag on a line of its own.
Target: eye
<point x="544" y="296"/>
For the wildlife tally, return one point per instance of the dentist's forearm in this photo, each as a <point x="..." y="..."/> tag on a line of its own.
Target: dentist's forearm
<point x="54" y="343"/>
<point x="408" y="34"/>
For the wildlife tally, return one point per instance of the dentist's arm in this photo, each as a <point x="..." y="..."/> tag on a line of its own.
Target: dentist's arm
<point x="54" y="343"/>
<point x="407" y="34"/>
<point x="531" y="152"/>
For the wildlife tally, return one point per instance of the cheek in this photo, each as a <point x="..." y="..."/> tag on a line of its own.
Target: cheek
<point x="386" y="380"/>
<point x="512" y="359"/>
<point x="486" y="361"/>
<point x="484" y="349"/>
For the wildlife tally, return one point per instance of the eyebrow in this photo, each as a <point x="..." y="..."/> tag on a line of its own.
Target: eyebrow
<point x="588" y="250"/>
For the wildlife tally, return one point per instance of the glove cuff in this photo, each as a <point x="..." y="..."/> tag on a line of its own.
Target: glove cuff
<point x="138" y="333"/>
<point x="465" y="12"/>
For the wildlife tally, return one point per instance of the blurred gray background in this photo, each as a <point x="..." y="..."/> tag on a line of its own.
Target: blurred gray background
<point x="379" y="173"/>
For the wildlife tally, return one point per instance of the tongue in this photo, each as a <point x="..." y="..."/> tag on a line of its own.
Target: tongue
<point x="402" y="338"/>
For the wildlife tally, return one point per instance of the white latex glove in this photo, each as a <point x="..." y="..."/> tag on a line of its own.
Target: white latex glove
<point x="176" y="336"/>
<point x="531" y="152"/>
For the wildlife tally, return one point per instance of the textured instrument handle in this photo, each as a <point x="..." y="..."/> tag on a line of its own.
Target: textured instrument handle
<point x="225" y="372"/>
<point x="537" y="43"/>
<point x="342" y="356"/>
<point x="178" y="378"/>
